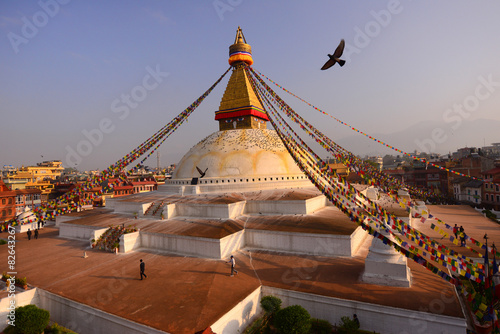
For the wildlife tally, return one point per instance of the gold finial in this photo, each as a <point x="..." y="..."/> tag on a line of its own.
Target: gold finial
<point x="240" y="38"/>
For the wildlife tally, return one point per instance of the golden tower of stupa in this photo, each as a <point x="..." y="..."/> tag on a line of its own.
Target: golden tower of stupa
<point x="240" y="107"/>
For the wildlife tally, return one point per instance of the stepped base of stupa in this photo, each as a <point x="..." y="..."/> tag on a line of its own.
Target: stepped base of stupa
<point x="217" y="224"/>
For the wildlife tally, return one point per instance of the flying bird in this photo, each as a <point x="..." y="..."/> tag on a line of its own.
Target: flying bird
<point x="335" y="58"/>
<point x="202" y="174"/>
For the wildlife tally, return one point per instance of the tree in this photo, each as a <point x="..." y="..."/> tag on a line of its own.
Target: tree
<point x="270" y="304"/>
<point x="30" y="320"/>
<point x="293" y="320"/>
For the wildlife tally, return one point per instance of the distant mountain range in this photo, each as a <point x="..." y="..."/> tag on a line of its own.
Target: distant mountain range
<point x="469" y="133"/>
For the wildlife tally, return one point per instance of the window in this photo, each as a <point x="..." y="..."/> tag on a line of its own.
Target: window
<point x="3" y="200"/>
<point x="498" y="198"/>
<point x="487" y="197"/>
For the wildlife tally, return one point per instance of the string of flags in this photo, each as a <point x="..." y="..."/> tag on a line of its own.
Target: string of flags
<point x="442" y="255"/>
<point x="92" y="188"/>
<point x="423" y="160"/>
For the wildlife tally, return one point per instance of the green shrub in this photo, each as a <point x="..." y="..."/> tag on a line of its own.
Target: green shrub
<point x="490" y="215"/>
<point x="58" y="329"/>
<point x="319" y="326"/>
<point x="270" y="304"/>
<point x="348" y="325"/>
<point x="3" y="242"/>
<point x="255" y="327"/>
<point x="21" y="281"/>
<point x="29" y="320"/>
<point x="293" y="320"/>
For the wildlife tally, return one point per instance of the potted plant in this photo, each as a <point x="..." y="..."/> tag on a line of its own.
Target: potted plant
<point x="116" y="245"/>
<point x="5" y="276"/>
<point x="135" y="215"/>
<point x="22" y="282"/>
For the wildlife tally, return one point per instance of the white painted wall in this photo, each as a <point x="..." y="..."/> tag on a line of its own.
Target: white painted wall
<point x="382" y="319"/>
<point x="315" y="204"/>
<point x="21" y="298"/>
<point x="25" y="227"/>
<point x="194" y="246"/>
<point x="306" y="243"/>
<point x="203" y="210"/>
<point x="84" y="319"/>
<point x="240" y="316"/>
<point x="129" y="242"/>
<point x="64" y="218"/>
<point x="82" y="232"/>
<point x="231" y="244"/>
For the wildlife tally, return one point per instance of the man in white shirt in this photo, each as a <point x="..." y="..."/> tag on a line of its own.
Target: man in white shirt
<point x="233" y="263"/>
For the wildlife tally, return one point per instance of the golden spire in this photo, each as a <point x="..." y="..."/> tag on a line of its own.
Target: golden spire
<point x="240" y="108"/>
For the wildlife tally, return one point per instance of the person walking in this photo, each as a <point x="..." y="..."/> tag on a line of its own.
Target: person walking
<point x="29" y="234"/>
<point x="142" y="266"/>
<point x="36" y="234"/>
<point x="455" y="231"/>
<point x="462" y="236"/>
<point x="356" y="320"/>
<point x="233" y="264"/>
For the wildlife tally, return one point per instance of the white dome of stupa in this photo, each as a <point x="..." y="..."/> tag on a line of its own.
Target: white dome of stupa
<point x="237" y="153"/>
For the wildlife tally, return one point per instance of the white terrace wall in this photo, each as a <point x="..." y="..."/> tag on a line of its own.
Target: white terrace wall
<point x="203" y="210"/>
<point x="123" y="206"/>
<point x="306" y="243"/>
<point x="65" y="218"/>
<point x="22" y="299"/>
<point x="240" y="316"/>
<point x="195" y="246"/>
<point x="382" y="319"/>
<point x="215" y="185"/>
<point x="84" y="319"/>
<point x="129" y="242"/>
<point x="82" y="232"/>
<point x="231" y="244"/>
<point x="272" y="207"/>
<point x="315" y="204"/>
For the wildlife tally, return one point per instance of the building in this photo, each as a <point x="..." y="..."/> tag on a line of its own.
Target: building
<point x="17" y="179"/>
<point x="493" y="150"/>
<point x="45" y="171"/>
<point x="472" y="165"/>
<point x="7" y="203"/>
<point x="27" y="199"/>
<point x="467" y="190"/>
<point x="491" y="187"/>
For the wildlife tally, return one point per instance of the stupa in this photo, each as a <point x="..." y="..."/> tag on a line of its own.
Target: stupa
<point x="243" y="151"/>
<point x="236" y="192"/>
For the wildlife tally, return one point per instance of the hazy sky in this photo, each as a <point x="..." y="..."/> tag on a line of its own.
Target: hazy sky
<point x="65" y="66"/>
